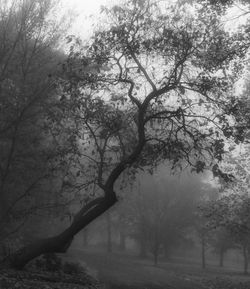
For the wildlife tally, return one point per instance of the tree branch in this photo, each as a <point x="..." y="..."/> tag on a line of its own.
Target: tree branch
<point x="143" y="70"/>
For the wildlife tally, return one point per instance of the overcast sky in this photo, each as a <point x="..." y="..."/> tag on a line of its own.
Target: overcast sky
<point x="83" y="10"/>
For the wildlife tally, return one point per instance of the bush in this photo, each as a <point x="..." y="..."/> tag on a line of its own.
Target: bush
<point x="72" y="268"/>
<point x="49" y="262"/>
<point x="52" y="263"/>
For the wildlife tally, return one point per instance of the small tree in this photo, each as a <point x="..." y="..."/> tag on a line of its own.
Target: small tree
<point x="221" y="242"/>
<point x="231" y="213"/>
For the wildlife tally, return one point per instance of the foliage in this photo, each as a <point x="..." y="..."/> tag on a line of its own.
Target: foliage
<point x="29" y="155"/>
<point x="154" y="74"/>
<point x="232" y="213"/>
<point x="221" y="242"/>
<point x="160" y="210"/>
<point x="72" y="268"/>
<point x="52" y="263"/>
<point x="49" y="262"/>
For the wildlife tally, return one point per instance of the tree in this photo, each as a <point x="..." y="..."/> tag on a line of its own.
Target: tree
<point x="28" y="56"/>
<point x="231" y="213"/>
<point x="221" y="242"/>
<point x="151" y="85"/>
<point x="203" y="231"/>
<point x="162" y="210"/>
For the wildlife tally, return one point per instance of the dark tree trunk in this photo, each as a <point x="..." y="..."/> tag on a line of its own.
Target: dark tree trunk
<point x="109" y="236"/>
<point x="166" y="251"/>
<point x="245" y="257"/>
<point x="156" y="245"/>
<point x="61" y="242"/>
<point x="143" y="247"/>
<point x="156" y="255"/>
<point x="222" y="251"/>
<point x="156" y="258"/>
<point x="122" y="243"/>
<point x="203" y="251"/>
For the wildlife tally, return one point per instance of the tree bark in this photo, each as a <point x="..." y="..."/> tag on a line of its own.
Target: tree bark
<point x="61" y="242"/>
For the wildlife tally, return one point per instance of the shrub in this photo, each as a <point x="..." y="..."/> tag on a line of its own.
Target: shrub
<point x="52" y="263"/>
<point x="72" y="268"/>
<point x="49" y="262"/>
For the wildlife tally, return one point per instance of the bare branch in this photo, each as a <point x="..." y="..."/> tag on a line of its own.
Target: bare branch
<point x="143" y="70"/>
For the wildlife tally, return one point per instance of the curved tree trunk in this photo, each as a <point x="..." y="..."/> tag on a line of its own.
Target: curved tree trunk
<point x="61" y="242"/>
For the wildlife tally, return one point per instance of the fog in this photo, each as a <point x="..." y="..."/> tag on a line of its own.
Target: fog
<point x="156" y="232"/>
<point x="124" y="144"/>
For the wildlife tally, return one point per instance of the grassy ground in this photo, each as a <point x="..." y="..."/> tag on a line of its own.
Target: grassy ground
<point x="120" y="271"/>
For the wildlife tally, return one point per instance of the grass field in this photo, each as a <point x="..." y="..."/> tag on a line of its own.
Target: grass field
<point x="121" y="271"/>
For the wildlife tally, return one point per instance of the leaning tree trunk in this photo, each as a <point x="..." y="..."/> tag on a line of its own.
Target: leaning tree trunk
<point x="61" y="242"/>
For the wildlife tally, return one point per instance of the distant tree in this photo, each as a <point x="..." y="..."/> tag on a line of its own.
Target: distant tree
<point x="161" y="210"/>
<point x="231" y="213"/>
<point x="152" y="84"/>
<point x="203" y="231"/>
<point x="221" y="242"/>
<point x="202" y="226"/>
<point x="183" y="198"/>
<point x="123" y="222"/>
